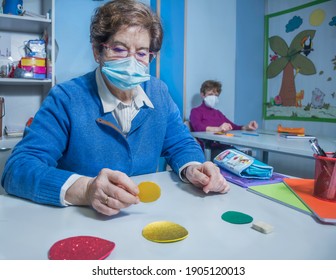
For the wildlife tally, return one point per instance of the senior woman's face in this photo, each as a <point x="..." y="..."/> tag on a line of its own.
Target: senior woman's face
<point x="131" y="41"/>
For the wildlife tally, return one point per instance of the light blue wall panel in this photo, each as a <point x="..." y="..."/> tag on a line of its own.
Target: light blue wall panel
<point x="211" y="51"/>
<point x="72" y="30"/>
<point x="172" y="52"/>
<point x="249" y="61"/>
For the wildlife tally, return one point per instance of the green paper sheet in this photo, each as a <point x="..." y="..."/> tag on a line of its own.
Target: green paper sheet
<point x="279" y="192"/>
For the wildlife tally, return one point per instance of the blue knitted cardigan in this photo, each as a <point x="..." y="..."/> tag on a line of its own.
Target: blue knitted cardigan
<point x="70" y="134"/>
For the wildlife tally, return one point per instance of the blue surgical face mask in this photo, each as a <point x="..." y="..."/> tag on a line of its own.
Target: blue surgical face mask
<point x="125" y="73"/>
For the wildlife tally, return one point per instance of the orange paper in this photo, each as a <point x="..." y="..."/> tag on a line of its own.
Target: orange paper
<point x="304" y="189"/>
<point x="224" y="133"/>
<point x="294" y="130"/>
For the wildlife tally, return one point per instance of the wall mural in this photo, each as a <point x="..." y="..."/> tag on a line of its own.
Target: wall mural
<point x="300" y="63"/>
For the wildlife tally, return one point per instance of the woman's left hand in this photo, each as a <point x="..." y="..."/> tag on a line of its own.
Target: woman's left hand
<point x="208" y="177"/>
<point x="252" y="125"/>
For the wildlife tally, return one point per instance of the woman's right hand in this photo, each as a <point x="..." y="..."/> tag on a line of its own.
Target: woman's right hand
<point x="225" y="127"/>
<point x="111" y="191"/>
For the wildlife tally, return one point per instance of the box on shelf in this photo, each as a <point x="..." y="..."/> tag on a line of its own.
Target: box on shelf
<point x="35" y="48"/>
<point x="33" y="61"/>
<point x="32" y="67"/>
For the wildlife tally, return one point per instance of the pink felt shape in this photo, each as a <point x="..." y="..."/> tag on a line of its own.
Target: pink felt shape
<point x="81" y="248"/>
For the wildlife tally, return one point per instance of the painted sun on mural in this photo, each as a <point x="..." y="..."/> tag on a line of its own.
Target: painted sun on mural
<point x="300" y="77"/>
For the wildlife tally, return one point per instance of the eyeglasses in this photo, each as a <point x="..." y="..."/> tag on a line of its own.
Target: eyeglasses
<point x="115" y="52"/>
<point x="211" y="92"/>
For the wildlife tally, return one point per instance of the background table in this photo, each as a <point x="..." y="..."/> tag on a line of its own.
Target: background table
<point x="28" y="230"/>
<point x="266" y="141"/>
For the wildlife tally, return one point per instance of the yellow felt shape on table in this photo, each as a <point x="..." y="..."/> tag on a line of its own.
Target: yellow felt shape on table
<point x="149" y="191"/>
<point x="164" y="232"/>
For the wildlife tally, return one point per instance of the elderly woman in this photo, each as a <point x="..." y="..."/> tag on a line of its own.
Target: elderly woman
<point x="93" y="132"/>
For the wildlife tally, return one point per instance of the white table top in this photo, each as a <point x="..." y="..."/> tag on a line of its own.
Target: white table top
<point x="270" y="141"/>
<point x="28" y="230"/>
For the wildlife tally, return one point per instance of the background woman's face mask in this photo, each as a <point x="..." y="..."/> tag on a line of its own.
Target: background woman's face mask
<point x="211" y="101"/>
<point x="125" y="73"/>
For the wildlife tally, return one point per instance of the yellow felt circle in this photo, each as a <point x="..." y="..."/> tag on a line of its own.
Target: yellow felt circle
<point x="149" y="191"/>
<point x="164" y="232"/>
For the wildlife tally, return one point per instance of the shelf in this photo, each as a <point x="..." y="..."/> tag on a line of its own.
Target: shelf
<point x="23" y="97"/>
<point x="16" y="81"/>
<point x="23" y="23"/>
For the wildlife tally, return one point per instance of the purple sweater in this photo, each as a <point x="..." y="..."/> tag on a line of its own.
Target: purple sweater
<point x="203" y="116"/>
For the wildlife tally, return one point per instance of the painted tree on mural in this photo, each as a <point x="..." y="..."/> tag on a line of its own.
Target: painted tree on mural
<point x="291" y="61"/>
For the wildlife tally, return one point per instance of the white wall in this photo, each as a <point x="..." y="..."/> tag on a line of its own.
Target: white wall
<point x="210" y="51"/>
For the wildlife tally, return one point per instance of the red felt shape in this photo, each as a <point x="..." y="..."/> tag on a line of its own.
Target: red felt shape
<point x="81" y="248"/>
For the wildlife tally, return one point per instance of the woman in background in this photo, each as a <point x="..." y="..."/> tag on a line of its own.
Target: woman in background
<point x="207" y="118"/>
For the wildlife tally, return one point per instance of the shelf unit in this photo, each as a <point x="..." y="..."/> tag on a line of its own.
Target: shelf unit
<point x="23" y="23"/>
<point x="23" y="97"/>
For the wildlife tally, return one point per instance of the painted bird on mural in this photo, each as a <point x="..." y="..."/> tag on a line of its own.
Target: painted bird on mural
<point x="307" y="43"/>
